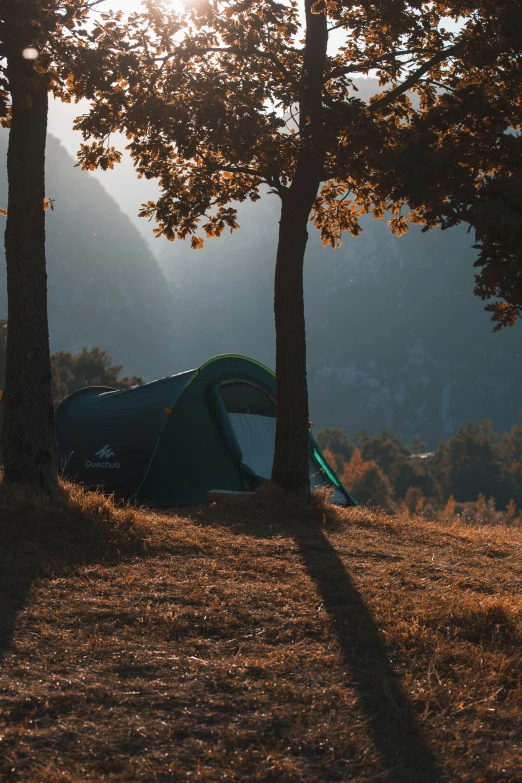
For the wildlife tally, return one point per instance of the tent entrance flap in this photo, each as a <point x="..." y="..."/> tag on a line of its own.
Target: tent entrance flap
<point x="251" y="411"/>
<point x="256" y="438"/>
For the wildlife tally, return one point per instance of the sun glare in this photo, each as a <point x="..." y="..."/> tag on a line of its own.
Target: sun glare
<point x="30" y="53"/>
<point x="178" y="5"/>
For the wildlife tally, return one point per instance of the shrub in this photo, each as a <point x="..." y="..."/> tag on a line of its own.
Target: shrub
<point x="367" y="482"/>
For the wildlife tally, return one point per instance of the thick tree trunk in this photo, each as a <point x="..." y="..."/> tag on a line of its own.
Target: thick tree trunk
<point x="28" y="437"/>
<point x="290" y="469"/>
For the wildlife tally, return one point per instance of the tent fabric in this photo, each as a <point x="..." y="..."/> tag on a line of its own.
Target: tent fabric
<point x="171" y="441"/>
<point x="227" y="431"/>
<point x="107" y="427"/>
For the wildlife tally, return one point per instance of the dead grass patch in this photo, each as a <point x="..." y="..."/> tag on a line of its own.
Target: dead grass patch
<point x="70" y="518"/>
<point x="41" y="534"/>
<point x="257" y="641"/>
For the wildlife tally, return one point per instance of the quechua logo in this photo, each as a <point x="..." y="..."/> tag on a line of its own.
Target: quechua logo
<point x="103" y="455"/>
<point x="105" y="452"/>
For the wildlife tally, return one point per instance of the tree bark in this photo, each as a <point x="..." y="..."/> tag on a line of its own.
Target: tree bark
<point x="290" y="469"/>
<point x="28" y="436"/>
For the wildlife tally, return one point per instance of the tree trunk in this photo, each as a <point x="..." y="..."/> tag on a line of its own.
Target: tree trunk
<point x="290" y="469"/>
<point x="28" y="437"/>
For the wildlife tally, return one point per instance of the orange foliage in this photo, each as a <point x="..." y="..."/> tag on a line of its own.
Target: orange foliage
<point x="367" y="482"/>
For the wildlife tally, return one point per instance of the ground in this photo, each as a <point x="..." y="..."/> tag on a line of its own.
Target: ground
<point x="253" y="641"/>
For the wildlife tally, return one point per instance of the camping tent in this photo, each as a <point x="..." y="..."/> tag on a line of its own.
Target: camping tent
<point x="171" y="441"/>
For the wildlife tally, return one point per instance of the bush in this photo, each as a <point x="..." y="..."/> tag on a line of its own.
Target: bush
<point x="367" y="482"/>
<point x="414" y="500"/>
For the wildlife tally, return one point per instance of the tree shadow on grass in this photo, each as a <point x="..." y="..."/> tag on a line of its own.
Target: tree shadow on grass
<point x="43" y="536"/>
<point x="405" y="755"/>
<point x="14" y="590"/>
<point x="404" y="752"/>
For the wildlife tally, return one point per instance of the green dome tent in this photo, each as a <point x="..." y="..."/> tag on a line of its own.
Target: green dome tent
<point x="171" y="441"/>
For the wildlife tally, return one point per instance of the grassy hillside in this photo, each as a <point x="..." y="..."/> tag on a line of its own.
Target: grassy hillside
<point x="256" y="642"/>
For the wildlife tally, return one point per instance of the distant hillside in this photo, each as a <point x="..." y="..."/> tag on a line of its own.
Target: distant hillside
<point x="395" y="336"/>
<point x="105" y="286"/>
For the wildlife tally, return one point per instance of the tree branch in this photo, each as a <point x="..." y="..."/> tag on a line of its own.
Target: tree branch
<point x="385" y="101"/>
<point x="369" y="64"/>
<point x="337" y="26"/>
<point x="236" y="169"/>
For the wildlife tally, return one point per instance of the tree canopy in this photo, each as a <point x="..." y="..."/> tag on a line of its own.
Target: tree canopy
<point x="210" y="103"/>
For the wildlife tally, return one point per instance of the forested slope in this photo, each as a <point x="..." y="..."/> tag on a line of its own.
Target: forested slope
<point x="395" y="336"/>
<point x="105" y="285"/>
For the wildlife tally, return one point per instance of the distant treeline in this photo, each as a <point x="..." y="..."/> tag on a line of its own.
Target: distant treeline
<point x="73" y="371"/>
<point x="473" y="465"/>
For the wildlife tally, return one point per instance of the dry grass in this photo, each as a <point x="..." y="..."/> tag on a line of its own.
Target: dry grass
<point x="256" y="641"/>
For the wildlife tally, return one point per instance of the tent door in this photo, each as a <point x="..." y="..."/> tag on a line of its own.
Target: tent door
<point x="256" y="438"/>
<point x="251" y="412"/>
